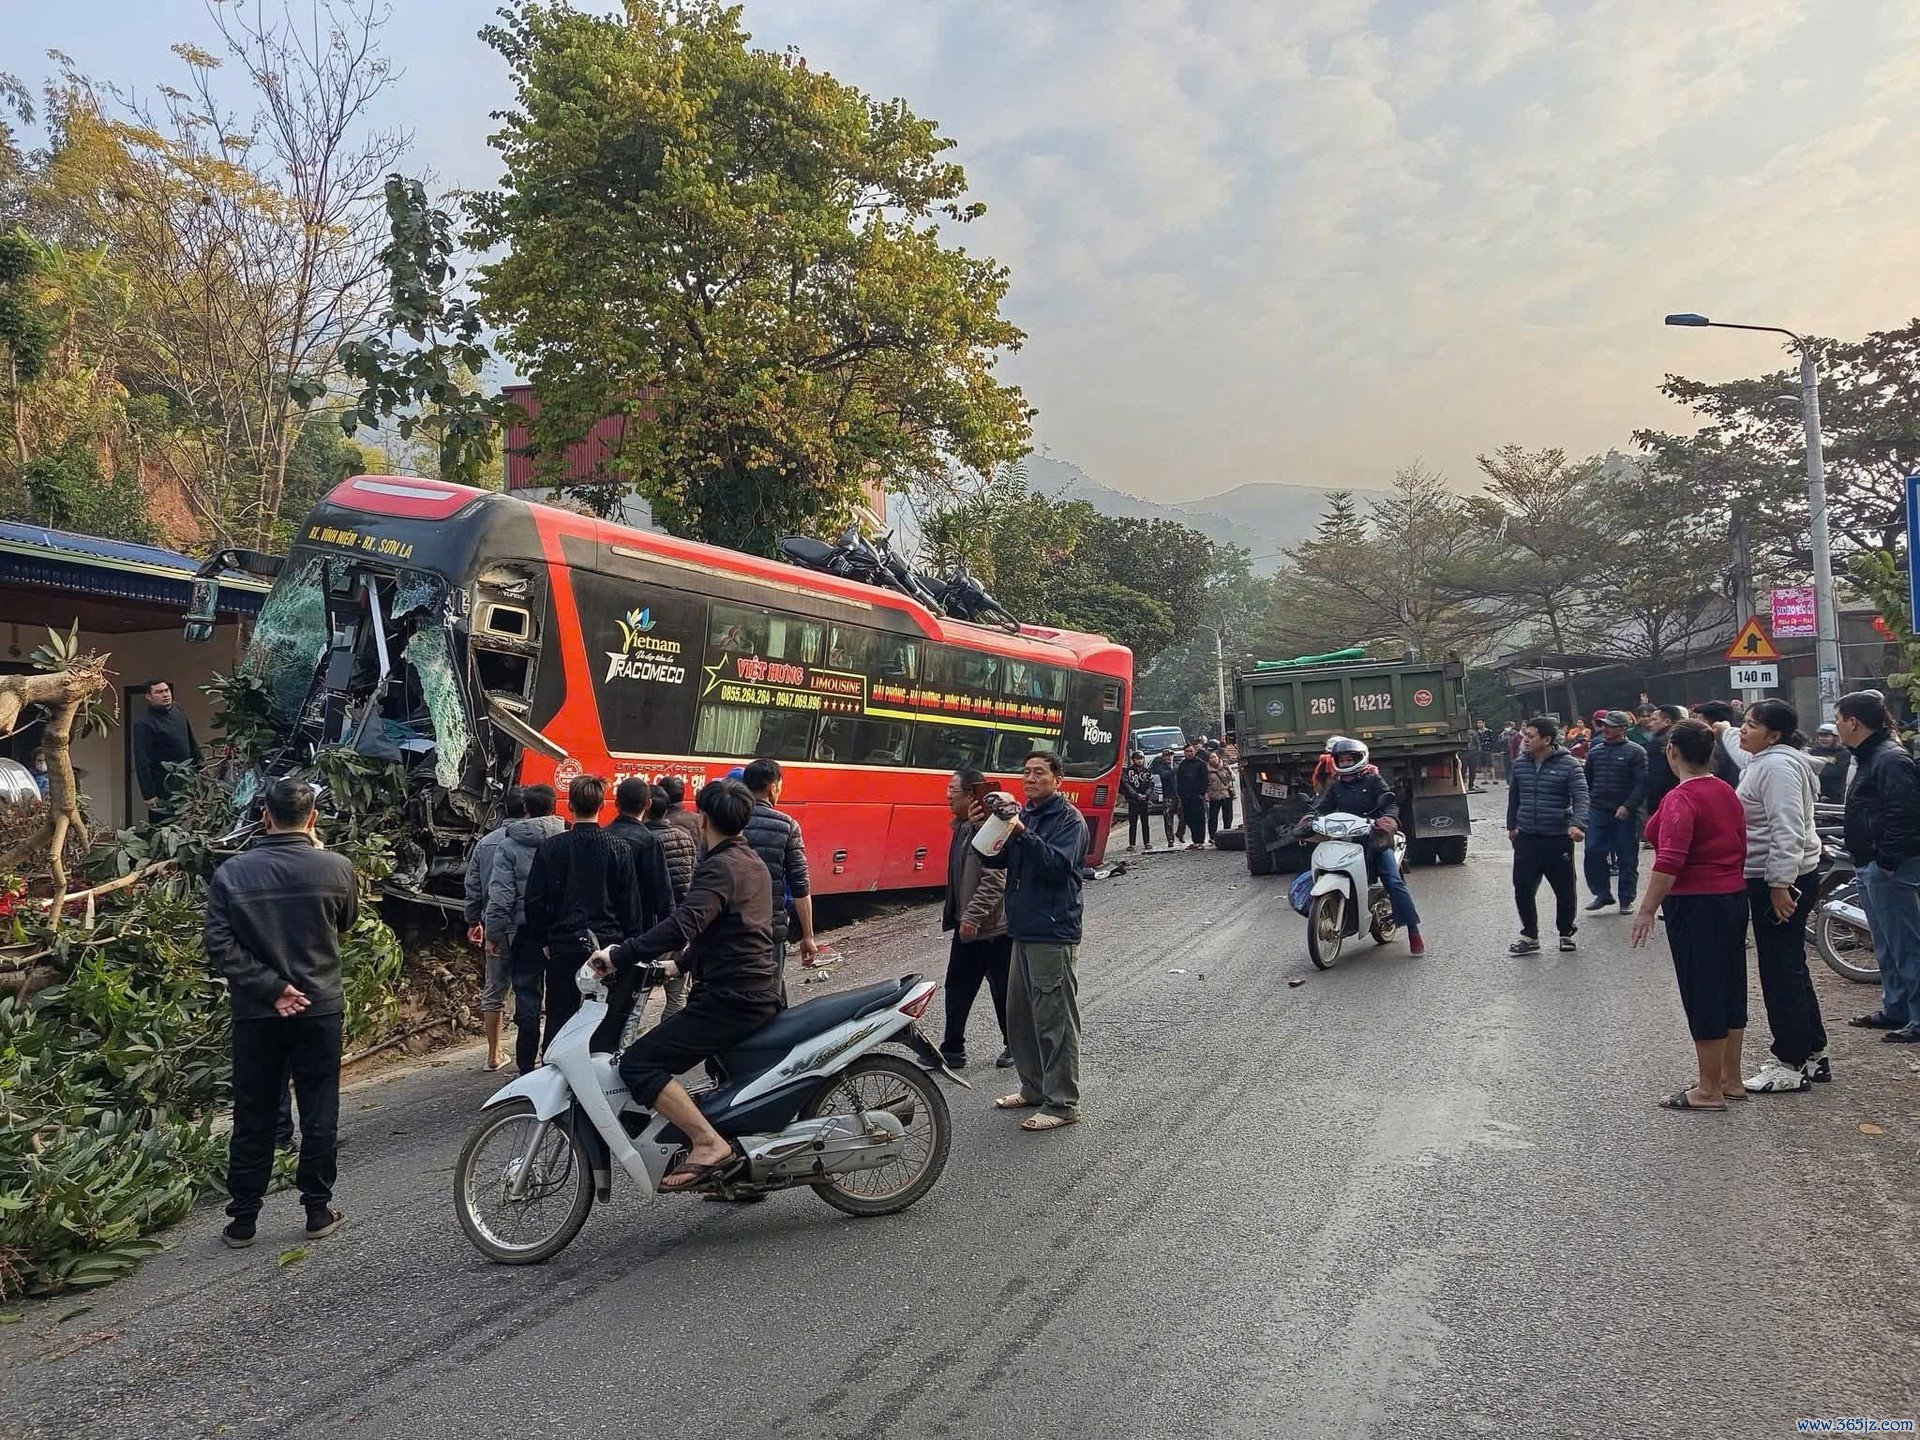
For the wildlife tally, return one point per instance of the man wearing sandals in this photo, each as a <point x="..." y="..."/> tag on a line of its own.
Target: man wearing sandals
<point x="1042" y="857"/>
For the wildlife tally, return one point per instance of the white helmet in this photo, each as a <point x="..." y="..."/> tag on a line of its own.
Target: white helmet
<point x="1349" y="756"/>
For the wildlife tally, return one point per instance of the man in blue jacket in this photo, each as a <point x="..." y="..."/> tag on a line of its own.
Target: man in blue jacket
<point x="1042" y="857"/>
<point x="1616" y="789"/>
<point x="1546" y="817"/>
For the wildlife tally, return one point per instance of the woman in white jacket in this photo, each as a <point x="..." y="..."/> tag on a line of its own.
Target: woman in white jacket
<point x="1783" y="852"/>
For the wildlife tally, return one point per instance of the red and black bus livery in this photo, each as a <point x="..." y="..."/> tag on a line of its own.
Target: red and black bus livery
<point x="485" y="641"/>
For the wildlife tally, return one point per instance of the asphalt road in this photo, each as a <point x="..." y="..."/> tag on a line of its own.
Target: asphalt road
<point x="1407" y="1197"/>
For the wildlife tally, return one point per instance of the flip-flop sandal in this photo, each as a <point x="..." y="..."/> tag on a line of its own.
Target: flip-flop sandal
<point x="1048" y="1122"/>
<point x="1015" y="1102"/>
<point x="1678" y="1101"/>
<point x="1735" y="1095"/>
<point x="691" y="1173"/>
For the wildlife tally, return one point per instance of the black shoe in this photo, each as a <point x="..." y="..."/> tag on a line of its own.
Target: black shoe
<point x="1567" y="947"/>
<point x="1005" y="1060"/>
<point x="1599" y="902"/>
<point x="956" y="1059"/>
<point x="1525" y="945"/>
<point x="1905" y="1035"/>
<point x="323" y="1221"/>
<point x="1874" y="1020"/>
<point x="238" y="1235"/>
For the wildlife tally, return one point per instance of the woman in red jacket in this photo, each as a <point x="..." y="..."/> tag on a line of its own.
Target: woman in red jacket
<point x="1699" y="837"/>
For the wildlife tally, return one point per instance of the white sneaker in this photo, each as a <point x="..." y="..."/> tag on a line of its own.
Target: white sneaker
<point x="1777" y="1079"/>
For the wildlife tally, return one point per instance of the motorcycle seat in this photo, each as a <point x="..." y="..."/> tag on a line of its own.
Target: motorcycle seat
<point x="800" y="1022"/>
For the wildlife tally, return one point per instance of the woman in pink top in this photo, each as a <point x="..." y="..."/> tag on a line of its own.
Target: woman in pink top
<point x="1699" y="838"/>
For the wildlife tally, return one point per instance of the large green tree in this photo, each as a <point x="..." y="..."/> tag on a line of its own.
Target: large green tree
<point x="744" y="257"/>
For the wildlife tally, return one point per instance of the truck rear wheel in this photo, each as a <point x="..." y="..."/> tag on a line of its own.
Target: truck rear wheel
<point x="1452" y="851"/>
<point x="1259" y="858"/>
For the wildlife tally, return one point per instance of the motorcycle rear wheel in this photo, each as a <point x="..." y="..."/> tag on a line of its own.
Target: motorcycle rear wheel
<point x="1847" y="949"/>
<point x="1326" y="928"/>
<point x="540" y="1226"/>
<point x="886" y="1082"/>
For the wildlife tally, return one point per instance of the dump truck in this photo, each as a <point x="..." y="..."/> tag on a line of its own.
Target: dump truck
<point x="1412" y="716"/>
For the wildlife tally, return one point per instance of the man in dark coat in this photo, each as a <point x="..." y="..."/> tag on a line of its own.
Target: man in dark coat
<point x="1042" y="857"/>
<point x="1883" y="838"/>
<point x="1190" y="784"/>
<point x="276" y="914"/>
<point x="161" y="737"/>
<point x="1616" y="771"/>
<point x="775" y="838"/>
<point x="580" y="892"/>
<point x="1546" y="818"/>
<point x="725" y="926"/>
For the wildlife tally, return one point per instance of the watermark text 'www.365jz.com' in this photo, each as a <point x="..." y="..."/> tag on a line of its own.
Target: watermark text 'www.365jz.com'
<point x="1852" y="1425"/>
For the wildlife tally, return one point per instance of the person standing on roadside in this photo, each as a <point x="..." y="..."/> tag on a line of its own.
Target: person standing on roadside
<point x="1660" y="776"/>
<point x="1783" y="857"/>
<point x="1042" y="856"/>
<point x="1162" y="769"/>
<point x="1578" y="739"/>
<point x="505" y="917"/>
<point x="1616" y="789"/>
<point x="678" y="813"/>
<point x="1219" y="792"/>
<point x="775" y="838"/>
<point x="1730" y="759"/>
<point x="653" y="892"/>
<point x="161" y="737"/>
<point x="1835" y="762"/>
<point x="1699" y="841"/>
<point x="1190" y="784"/>
<point x="276" y="914"/>
<point x="676" y="848"/>
<point x="1140" y="788"/>
<point x="1512" y="741"/>
<point x="1546" y="818"/>
<point x="975" y="911"/>
<point x="493" y="994"/>
<point x="580" y="894"/>
<point x="1883" y="837"/>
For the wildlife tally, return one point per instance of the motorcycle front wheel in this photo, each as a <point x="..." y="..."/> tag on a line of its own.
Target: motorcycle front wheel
<point x="1846" y="948"/>
<point x="912" y="1096"/>
<point x="1326" y="928"/>
<point x="554" y="1203"/>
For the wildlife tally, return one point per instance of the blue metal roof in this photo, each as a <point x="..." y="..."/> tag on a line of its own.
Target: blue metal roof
<point x="117" y="569"/>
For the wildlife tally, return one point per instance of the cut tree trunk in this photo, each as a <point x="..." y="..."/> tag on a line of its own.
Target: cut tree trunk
<point x="63" y="692"/>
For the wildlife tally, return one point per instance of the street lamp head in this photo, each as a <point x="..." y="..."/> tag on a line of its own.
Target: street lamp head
<point x="1684" y="319"/>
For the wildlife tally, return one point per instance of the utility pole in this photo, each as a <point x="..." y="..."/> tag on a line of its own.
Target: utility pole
<point x="1826" y="619"/>
<point x="1220" y="678"/>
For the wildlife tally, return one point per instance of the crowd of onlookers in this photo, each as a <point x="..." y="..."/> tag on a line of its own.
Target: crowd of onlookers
<point x="1725" y="798"/>
<point x="1188" y="794"/>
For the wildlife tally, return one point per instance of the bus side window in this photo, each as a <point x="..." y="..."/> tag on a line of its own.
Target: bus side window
<point x="948" y="747"/>
<point x="851" y="740"/>
<point x="739" y="731"/>
<point x="794" y="640"/>
<point x="734" y="631"/>
<point x="847" y="649"/>
<point x="895" y="658"/>
<point x="1027" y="681"/>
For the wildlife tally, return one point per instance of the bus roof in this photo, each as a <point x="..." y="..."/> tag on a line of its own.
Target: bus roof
<point x="419" y="498"/>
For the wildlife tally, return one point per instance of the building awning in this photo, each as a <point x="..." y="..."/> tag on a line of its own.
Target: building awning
<point x="64" y="560"/>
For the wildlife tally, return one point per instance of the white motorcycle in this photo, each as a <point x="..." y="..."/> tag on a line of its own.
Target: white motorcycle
<point x="808" y="1099"/>
<point x="1345" y="893"/>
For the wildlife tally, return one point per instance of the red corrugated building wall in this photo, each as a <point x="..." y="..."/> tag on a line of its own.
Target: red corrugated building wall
<point x="586" y="456"/>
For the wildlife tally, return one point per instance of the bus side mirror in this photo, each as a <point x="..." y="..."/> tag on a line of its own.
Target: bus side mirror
<point x="200" y="613"/>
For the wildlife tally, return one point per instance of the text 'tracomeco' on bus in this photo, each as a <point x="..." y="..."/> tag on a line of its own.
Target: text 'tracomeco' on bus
<point x="482" y="641"/>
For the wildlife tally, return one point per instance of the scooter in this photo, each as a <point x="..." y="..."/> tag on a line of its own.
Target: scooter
<point x="1840" y="929"/>
<point x="809" y="1099"/>
<point x="1342" y="878"/>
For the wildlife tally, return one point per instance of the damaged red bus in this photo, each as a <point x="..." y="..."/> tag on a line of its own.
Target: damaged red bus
<point x="484" y="641"/>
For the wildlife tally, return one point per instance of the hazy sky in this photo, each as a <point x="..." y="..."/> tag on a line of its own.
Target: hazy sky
<point x="1308" y="240"/>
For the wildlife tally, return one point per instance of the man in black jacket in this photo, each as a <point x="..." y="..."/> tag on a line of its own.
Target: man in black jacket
<point x="678" y="849"/>
<point x="1660" y="776"/>
<point x="1616" y="789"/>
<point x="775" y="838"/>
<point x="275" y="917"/>
<point x="1190" y="784"/>
<point x="725" y="925"/>
<point x="1883" y="837"/>
<point x="653" y="891"/>
<point x="1042" y="857"/>
<point x="161" y="737"/>
<point x="1358" y="788"/>
<point x="1546" y="818"/>
<point x="580" y="892"/>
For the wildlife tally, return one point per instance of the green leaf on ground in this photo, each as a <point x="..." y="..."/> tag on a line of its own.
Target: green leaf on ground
<point x="292" y="1257"/>
<point x="73" y="1314"/>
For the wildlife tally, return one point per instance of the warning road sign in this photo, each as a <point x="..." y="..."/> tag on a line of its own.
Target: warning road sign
<point x="1751" y="645"/>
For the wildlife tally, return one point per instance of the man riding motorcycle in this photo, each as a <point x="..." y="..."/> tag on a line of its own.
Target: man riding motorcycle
<point x="1358" y="788"/>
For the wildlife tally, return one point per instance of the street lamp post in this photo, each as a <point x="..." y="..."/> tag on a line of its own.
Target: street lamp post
<point x="1826" y="621"/>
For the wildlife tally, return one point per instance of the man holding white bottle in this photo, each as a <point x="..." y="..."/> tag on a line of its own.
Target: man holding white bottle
<point x="1045" y="845"/>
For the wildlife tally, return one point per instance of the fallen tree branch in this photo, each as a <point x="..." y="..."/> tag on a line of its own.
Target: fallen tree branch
<point x="404" y="1035"/>
<point x="145" y="872"/>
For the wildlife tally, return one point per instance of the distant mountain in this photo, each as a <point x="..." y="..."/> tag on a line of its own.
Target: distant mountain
<point x="1263" y="518"/>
